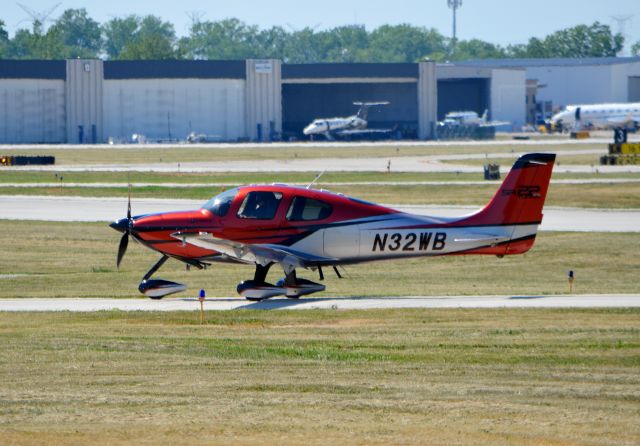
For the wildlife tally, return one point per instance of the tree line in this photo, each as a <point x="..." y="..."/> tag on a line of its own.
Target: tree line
<point x="76" y="35"/>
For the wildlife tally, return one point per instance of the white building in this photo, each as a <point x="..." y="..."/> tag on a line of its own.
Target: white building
<point x="577" y="81"/>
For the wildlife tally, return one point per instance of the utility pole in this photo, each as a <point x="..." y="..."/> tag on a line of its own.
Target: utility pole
<point x="621" y="21"/>
<point x="454" y="5"/>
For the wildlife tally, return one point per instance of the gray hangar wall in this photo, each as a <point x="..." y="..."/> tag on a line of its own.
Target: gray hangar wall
<point x="32" y="101"/>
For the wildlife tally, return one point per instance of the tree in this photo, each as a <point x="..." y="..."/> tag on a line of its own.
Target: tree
<point x="477" y="49"/>
<point x="225" y="39"/>
<point x="4" y="41"/>
<point x="347" y="44"/>
<point x="118" y="33"/>
<point x="580" y="41"/>
<point x="36" y="44"/>
<point x="404" y="43"/>
<point x="135" y="38"/>
<point x="635" y="48"/>
<point x="80" y="34"/>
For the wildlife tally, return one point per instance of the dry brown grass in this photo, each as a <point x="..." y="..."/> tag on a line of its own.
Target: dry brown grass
<point x="443" y="377"/>
<point x="78" y="260"/>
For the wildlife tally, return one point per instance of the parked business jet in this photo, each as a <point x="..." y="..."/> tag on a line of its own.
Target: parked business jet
<point x="470" y="118"/>
<point x="603" y="116"/>
<point x="332" y="127"/>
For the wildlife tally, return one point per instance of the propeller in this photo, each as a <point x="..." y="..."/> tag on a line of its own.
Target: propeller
<point x="124" y="241"/>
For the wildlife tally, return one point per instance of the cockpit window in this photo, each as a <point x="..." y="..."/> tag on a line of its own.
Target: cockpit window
<point x="220" y="204"/>
<point x="306" y="209"/>
<point x="260" y="205"/>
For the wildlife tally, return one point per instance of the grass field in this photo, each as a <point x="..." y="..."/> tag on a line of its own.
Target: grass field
<point x="440" y="377"/>
<point x="78" y="260"/>
<point x="187" y="153"/>
<point x="562" y="159"/>
<point x="568" y="195"/>
<point x="18" y="176"/>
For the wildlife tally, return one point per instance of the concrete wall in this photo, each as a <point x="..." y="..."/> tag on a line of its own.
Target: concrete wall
<point x="567" y="85"/>
<point x="83" y="92"/>
<point x="508" y="97"/>
<point x="427" y="100"/>
<point x="32" y="111"/>
<point x="263" y="98"/>
<point x="173" y="108"/>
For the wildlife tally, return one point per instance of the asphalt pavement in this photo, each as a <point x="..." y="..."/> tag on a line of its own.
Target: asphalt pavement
<point x="335" y="303"/>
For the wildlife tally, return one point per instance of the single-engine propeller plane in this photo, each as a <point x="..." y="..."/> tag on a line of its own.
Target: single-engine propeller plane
<point x="304" y="228"/>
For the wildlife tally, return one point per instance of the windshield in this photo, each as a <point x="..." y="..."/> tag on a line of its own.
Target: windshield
<point x="220" y="204"/>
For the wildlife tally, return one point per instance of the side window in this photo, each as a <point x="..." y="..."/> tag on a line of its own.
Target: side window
<point x="260" y="205"/>
<point x="306" y="209"/>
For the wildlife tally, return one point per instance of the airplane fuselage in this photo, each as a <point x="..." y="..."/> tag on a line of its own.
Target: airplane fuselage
<point x="604" y="116"/>
<point x="328" y="125"/>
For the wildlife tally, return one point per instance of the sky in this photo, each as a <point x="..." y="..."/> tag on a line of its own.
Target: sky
<point x="496" y="21"/>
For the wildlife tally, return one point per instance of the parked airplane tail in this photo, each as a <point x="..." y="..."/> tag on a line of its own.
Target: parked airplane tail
<point x="518" y="203"/>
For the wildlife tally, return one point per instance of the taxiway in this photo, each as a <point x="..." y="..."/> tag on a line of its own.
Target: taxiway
<point x="335" y="303"/>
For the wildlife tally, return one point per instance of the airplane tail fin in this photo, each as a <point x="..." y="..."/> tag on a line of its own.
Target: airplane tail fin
<point x="518" y="202"/>
<point x="485" y="115"/>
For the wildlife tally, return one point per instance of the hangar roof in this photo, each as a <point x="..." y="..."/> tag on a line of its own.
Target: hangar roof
<point x="33" y="69"/>
<point x="571" y="62"/>
<point x="346" y="70"/>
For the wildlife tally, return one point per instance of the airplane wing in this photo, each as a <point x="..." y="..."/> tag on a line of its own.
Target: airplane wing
<point x="254" y="253"/>
<point x="494" y="123"/>
<point x="621" y="121"/>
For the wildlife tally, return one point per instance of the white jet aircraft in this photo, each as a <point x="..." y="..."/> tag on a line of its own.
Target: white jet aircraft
<point x="332" y="127"/>
<point x="470" y="118"/>
<point x="603" y="116"/>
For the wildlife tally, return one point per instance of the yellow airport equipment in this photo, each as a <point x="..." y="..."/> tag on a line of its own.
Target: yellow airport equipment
<point x="622" y="154"/>
<point x="580" y="134"/>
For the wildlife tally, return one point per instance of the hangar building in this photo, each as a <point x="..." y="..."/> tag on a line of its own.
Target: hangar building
<point x="92" y="101"/>
<point x="556" y="83"/>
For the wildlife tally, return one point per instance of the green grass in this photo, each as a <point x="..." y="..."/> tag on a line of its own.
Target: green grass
<point x="187" y="153"/>
<point x="562" y="159"/>
<point x="443" y="377"/>
<point x="17" y="176"/>
<point x="78" y="259"/>
<point x="567" y="195"/>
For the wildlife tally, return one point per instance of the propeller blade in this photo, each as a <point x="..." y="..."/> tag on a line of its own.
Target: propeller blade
<point x="122" y="248"/>
<point x="129" y="206"/>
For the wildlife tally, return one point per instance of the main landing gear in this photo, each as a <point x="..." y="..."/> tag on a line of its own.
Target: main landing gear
<point x="290" y="285"/>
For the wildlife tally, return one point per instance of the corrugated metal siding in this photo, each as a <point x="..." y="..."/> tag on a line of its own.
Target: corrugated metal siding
<point x="263" y="98"/>
<point x="84" y="98"/>
<point x="427" y="100"/>
<point x="32" y="111"/>
<point x="163" y="108"/>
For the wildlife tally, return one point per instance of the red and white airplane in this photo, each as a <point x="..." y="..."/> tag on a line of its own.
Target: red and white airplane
<point x="302" y="228"/>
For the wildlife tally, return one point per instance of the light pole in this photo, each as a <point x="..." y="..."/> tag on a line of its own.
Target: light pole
<point x="454" y="5"/>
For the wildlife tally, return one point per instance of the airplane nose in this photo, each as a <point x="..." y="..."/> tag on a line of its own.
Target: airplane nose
<point x="120" y="225"/>
<point x="307" y="130"/>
